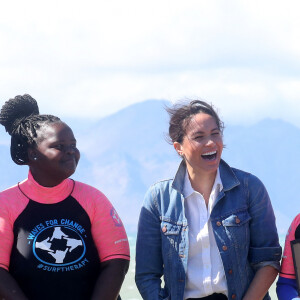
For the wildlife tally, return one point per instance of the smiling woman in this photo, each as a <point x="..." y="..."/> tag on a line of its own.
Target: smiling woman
<point x="59" y="239"/>
<point x="210" y="231"/>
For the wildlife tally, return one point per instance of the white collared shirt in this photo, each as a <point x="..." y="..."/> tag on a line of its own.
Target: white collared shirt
<point x="205" y="271"/>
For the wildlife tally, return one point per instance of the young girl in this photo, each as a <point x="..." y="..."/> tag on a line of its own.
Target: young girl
<point x="59" y="238"/>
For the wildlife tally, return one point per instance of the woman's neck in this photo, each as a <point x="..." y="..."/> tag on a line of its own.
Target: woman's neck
<point x="45" y="181"/>
<point x="202" y="182"/>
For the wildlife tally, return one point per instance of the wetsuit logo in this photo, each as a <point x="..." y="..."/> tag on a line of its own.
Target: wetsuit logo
<point x="116" y="217"/>
<point x="58" y="243"/>
<point x="58" y="246"/>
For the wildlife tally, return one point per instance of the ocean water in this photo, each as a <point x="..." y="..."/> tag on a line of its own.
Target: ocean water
<point x="129" y="290"/>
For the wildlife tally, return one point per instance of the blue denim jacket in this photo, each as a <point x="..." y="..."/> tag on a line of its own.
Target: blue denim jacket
<point x="243" y="223"/>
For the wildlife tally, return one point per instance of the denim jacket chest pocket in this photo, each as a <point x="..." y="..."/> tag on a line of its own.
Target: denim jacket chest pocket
<point x="171" y="233"/>
<point x="236" y="226"/>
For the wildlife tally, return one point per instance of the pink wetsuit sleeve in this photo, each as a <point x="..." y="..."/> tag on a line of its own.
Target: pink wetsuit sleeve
<point x="6" y="236"/>
<point x="107" y="228"/>
<point x="287" y="264"/>
<point x="12" y="203"/>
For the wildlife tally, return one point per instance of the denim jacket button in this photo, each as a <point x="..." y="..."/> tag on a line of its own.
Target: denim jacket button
<point x="219" y="223"/>
<point x="224" y="248"/>
<point x="164" y="229"/>
<point x="237" y="220"/>
<point x="233" y="296"/>
<point x="230" y="271"/>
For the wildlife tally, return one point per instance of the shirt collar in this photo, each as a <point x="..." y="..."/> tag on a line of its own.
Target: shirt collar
<point x="227" y="175"/>
<point x="188" y="189"/>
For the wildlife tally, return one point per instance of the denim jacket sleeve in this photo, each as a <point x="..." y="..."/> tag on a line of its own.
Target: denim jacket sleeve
<point x="149" y="263"/>
<point x="264" y="243"/>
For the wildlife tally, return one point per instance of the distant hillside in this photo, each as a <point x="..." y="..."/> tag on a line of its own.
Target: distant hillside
<point x="123" y="154"/>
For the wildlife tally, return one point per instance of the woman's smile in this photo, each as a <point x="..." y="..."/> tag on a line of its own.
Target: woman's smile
<point x="212" y="155"/>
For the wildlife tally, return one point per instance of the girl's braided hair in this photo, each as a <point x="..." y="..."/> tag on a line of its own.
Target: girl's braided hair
<point x="21" y="119"/>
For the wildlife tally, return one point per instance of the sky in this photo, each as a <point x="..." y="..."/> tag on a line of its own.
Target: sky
<point x="89" y="59"/>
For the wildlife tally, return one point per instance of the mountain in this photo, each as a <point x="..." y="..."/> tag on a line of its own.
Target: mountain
<point x="129" y="152"/>
<point x="124" y="153"/>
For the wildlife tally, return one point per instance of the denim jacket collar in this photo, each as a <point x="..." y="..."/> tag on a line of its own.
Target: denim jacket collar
<point x="229" y="180"/>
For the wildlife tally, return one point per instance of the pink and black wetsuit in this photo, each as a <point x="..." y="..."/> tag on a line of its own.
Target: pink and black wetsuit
<point x="286" y="285"/>
<point x="52" y="240"/>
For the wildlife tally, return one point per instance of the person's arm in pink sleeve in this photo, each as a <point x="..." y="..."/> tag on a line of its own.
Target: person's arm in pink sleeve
<point x="111" y="242"/>
<point x="286" y="284"/>
<point x="9" y="288"/>
<point x="109" y="232"/>
<point x="6" y="236"/>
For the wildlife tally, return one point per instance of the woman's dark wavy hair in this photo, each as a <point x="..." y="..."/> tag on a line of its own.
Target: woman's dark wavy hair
<point x="181" y="115"/>
<point x="21" y="119"/>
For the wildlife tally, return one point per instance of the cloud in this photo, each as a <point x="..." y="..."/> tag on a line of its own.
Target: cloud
<point x="94" y="58"/>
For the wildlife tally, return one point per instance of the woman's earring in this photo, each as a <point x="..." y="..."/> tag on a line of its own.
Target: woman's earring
<point x="35" y="158"/>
